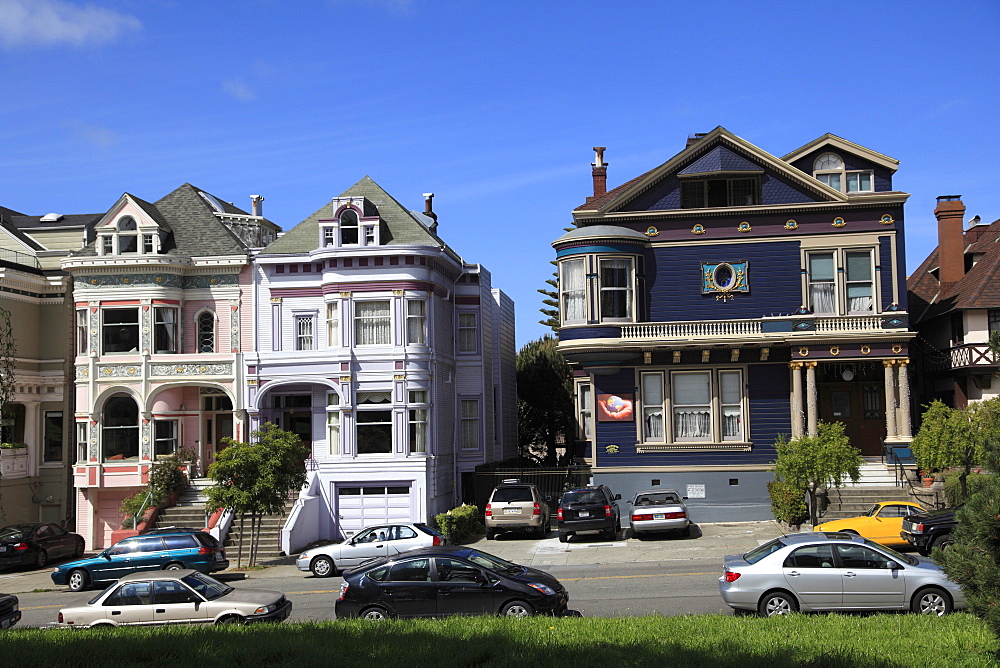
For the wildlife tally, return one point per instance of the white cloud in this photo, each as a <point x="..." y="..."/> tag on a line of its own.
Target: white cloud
<point x="50" y="22"/>
<point x="238" y="89"/>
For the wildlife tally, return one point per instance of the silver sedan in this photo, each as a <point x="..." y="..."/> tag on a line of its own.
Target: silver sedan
<point x="659" y="510"/>
<point x="834" y="571"/>
<point x="384" y="540"/>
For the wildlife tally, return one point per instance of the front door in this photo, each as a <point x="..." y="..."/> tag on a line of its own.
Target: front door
<point x="300" y="422"/>
<point x="217" y="417"/>
<point x="859" y="406"/>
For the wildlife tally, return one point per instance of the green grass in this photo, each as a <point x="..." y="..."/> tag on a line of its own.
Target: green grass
<point x="704" y="640"/>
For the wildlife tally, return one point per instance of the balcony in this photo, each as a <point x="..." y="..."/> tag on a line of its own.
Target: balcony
<point x="971" y="356"/>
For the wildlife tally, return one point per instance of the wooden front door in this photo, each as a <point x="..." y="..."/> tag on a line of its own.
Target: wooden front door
<point x="859" y="406"/>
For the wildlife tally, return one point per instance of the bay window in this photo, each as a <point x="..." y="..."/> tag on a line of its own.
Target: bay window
<point x="615" y="276"/>
<point x="372" y="323"/>
<point x="165" y="330"/>
<point x="704" y="406"/>
<point x="841" y="282"/>
<point x="573" y="290"/>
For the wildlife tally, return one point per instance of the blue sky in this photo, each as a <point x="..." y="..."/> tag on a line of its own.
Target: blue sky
<point x="493" y="106"/>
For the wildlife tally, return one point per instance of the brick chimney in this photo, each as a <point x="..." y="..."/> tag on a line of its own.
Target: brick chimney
<point x="600" y="172"/>
<point x="950" y="214"/>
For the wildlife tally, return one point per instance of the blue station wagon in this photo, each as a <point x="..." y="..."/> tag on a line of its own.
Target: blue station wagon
<point x="163" y="549"/>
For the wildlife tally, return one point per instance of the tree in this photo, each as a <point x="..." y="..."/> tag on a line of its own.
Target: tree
<point x="552" y="301"/>
<point x="8" y="350"/>
<point x="951" y="437"/>
<point x="811" y="462"/>
<point x="545" y="414"/>
<point x="256" y="477"/>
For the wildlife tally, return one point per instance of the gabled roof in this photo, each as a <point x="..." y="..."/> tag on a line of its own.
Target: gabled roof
<point x="833" y="141"/>
<point x="615" y="199"/>
<point x="403" y="227"/>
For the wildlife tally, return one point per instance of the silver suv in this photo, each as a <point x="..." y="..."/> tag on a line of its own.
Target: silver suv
<point x="516" y="505"/>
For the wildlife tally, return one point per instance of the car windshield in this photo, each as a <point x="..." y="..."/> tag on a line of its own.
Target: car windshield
<point x="511" y="494"/>
<point x="207" y="586"/>
<point x="755" y="555"/>
<point x="427" y="530"/>
<point x="905" y="558"/>
<point x="871" y="511"/>
<point x="495" y="564"/>
<point x="103" y="591"/>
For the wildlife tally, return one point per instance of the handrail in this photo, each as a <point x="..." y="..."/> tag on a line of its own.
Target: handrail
<point x="142" y="509"/>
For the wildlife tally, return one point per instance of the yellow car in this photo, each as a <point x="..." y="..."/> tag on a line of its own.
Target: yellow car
<point x="882" y="523"/>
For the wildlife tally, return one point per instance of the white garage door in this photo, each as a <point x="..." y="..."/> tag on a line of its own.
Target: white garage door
<point x="362" y="506"/>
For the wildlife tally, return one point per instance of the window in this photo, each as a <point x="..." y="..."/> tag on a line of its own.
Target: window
<point x="860" y="287"/>
<point x="811" y="556"/>
<point x="120" y="330"/>
<point x="468" y="334"/>
<point x="370" y="237"/>
<point x="165" y="330"/>
<point x="585" y="410"/>
<point x="692" y="397"/>
<point x="329" y="236"/>
<point x="333" y="431"/>
<point x="415" y="570"/>
<point x="128" y="237"/>
<point x="374" y="418"/>
<point x="120" y="428"/>
<point x="372" y="323"/>
<point x="822" y="283"/>
<point x="167" y="592"/>
<point x="81" y="441"/>
<point x="719" y="192"/>
<point x="829" y="168"/>
<point x="573" y="290"/>
<point x="165" y="438"/>
<point x="333" y="325"/>
<point x="148" y="246"/>
<point x="827" y="296"/>
<point x="470" y="424"/>
<point x="615" y="276"/>
<point x="53" y="436"/>
<point x="703" y="406"/>
<point x="206" y="332"/>
<point x="416" y="317"/>
<point x="304" y="332"/>
<point x="130" y="593"/>
<point x="12" y="423"/>
<point x="731" y="404"/>
<point x="652" y="407"/>
<point x="349" y="228"/>
<point x="418" y="422"/>
<point x="993" y="316"/>
<point x="82" y="334"/>
<point x="107" y="244"/>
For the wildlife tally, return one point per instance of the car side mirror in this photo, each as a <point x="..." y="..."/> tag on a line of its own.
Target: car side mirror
<point x="629" y="501"/>
<point x="618" y="497"/>
<point x="893" y="565"/>
<point x="106" y="555"/>
<point x="480" y="578"/>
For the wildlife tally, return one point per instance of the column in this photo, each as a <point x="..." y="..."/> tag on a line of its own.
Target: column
<point x="33" y="436"/>
<point x="796" y="408"/>
<point x="903" y="419"/>
<point x="890" y="399"/>
<point x="812" y="405"/>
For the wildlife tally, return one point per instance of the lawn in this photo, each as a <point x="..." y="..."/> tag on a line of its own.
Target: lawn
<point x="704" y="640"/>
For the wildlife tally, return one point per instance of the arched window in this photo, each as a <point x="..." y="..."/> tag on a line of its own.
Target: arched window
<point x="120" y="428"/>
<point x="128" y="236"/>
<point x="349" y="228"/>
<point x="828" y="161"/>
<point x="206" y="332"/>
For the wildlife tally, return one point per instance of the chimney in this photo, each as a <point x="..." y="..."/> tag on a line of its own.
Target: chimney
<point x="950" y="214"/>
<point x="257" y="205"/>
<point x="696" y="137"/>
<point x="600" y="172"/>
<point x="429" y="211"/>
<point x="975" y="230"/>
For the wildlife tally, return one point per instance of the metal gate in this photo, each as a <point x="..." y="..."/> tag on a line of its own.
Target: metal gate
<point x="551" y="482"/>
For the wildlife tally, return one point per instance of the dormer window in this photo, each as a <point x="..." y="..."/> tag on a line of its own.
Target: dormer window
<point x="125" y="238"/>
<point x="349" y="228"/>
<point x="128" y="236"/>
<point x="829" y="168"/>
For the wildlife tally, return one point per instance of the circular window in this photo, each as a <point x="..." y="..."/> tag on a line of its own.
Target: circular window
<point x="724" y="277"/>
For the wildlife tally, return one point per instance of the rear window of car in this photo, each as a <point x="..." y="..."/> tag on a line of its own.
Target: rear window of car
<point x="582" y="496"/>
<point x="756" y="554"/>
<point x="179" y="542"/>
<point x="206" y="539"/>
<point x="511" y="494"/>
<point x="427" y="530"/>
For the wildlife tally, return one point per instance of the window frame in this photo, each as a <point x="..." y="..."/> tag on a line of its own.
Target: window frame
<point x="166" y="328"/>
<point x="385" y="425"/>
<point x="52" y="443"/>
<point x="82" y="331"/>
<point x="585" y="410"/>
<point x="105" y="326"/>
<point x="107" y="430"/>
<point x="703" y="197"/>
<point x="373" y="322"/>
<point x="672" y="401"/>
<point x="304" y="341"/>
<point x="333" y="324"/>
<point x="469" y="424"/>
<point x="416" y="323"/>
<point x="566" y="293"/>
<point x="628" y="289"/>
<point x="173" y="436"/>
<point x="468" y="335"/>
<point x="842" y="281"/>
<point x="203" y="334"/>
<point x="827" y="173"/>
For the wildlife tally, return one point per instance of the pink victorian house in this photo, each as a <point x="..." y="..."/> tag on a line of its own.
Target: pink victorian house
<point x="162" y="320"/>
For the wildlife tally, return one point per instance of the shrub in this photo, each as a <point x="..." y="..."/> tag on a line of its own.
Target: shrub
<point x="459" y="524"/>
<point x="132" y="505"/>
<point x="166" y="477"/>
<point x="953" y="486"/>
<point x="788" y="502"/>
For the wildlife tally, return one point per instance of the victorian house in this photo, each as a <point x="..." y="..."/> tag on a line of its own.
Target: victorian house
<point x="955" y="309"/>
<point x="389" y="354"/>
<point x="162" y="320"/>
<point x="725" y="298"/>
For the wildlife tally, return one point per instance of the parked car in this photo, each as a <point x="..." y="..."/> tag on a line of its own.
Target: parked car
<point x="10" y="611"/>
<point x="448" y="580"/>
<point x="383" y="540"/>
<point x="881" y="523"/>
<point x="589" y="510"/>
<point x="35" y="544"/>
<point x="176" y="597"/>
<point x="659" y="510"/>
<point x="516" y="505"/>
<point x="167" y="549"/>
<point x="834" y="571"/>
<point x="929" y="530"/>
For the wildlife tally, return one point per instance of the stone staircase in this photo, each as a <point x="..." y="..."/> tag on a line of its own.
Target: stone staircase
<point x="269" y="540"/>
<point x="877" y="483"/>
<point x="190" y="509"/>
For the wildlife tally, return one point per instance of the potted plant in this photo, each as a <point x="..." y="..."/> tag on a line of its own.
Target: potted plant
<point x="927" y="478"/>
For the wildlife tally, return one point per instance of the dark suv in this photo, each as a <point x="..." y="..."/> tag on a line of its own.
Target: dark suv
<point x="589" y="509"/>
<point x="166" y="549"/>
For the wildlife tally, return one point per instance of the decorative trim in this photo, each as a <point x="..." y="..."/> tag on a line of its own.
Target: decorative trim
<point x="803" y="352"/>
<point x="652" y="231"/>
<point x="866" y="349"/>
<point x="886" y="220"/>
<point x="734" y="273"/>
<point x="744" y="227"/>
<point x="835" y="350"/>
<point x="677" y="357"/>
<point x="839" y="222"/>
<point x="687" y="447"/>
<point x="275" y="300"/>
<point x="764" y="352"/>
<point x="896" y="349"/>
<point x="698" y="229"/>
<point x="221" y="369"/>
<point x="158" y="280"/>
<point x="790" y="224"/>
<point x="612" y="449"/>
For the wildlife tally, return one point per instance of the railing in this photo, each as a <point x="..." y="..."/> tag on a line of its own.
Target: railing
<point x="799" y="325"/>
<point x="142" y="509"/>
<point x="968" y="355"/>
<point x="19" y="258"/>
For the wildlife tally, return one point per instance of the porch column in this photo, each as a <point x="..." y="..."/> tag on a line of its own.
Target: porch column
<point x="890" y="399"/>
<point x="903" y="419"/>
<point x="812" y="407"/>
<point x="796" y="409"/>
<point x="33" y="435"/>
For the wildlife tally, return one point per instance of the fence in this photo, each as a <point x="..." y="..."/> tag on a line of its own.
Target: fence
<point x="551" y="482"/>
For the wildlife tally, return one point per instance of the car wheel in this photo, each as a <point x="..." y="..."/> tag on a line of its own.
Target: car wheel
<point x="229" y="620"/>
<point x="78" y="580"/>
<point x="777" y="603"/>
<point x="944" y="542"/>
<point x="174" y="567"/>
<point x="563" y="537"/>
<point x="611" y="533"/>
<point x="374" y="614"/>
<point x="686" y="532"/>
<point x="41" y="559"/>
<point x="931" y="601"/>
<point x="78" y="550"/>
<point x="322" y="567"/>
<point x="517" y="609"/>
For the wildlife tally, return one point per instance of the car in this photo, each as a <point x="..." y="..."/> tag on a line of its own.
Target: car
<point x="175" y="597"/>
<point x="37" y="543"/>
<point x="588" y="510"/>
<point x="167" y="549"/>
<point x="448" y="580"/>
<point x="880" y="523"/>
<point x="834" y="571"/>
<point x="383" y="540"/>
<point x="10" y="611"/>
<point x="659" y="510"/>
<point x="515" y="505"/>
<point x="932" y="529"/>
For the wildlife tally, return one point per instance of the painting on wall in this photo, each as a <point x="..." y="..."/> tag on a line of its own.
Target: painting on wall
<point x="615" y="407"/>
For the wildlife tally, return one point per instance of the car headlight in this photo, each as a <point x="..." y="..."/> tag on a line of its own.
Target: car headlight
<point x="548" y="591"/>
<point x="265" y="609"/>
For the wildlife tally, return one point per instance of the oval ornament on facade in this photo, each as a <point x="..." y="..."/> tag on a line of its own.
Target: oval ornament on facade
<point x="612" y="449"/>
<point x="652" y="231"/>
<point x="744" y="227"/>
<point x="803" y="352"/>
<point x="835" y="350"/>
<point x="698" y="229"/>
<point x="897" y="349"/>
<point x="886" y="220"/>
<point x="866" y="350"/>
<point x="839" y="222"/>
<point x="790" y="224"/>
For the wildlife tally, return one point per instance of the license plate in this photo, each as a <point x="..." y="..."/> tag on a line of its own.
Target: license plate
<point x="3" y="548"/>
<point x="219" y="557"/>
<point x="661" y="516"/>
<point x="584" y="513"/>
<point x="511" y="511"/>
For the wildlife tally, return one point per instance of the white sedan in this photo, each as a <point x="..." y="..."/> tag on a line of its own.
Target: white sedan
<point x="384" y="540"/>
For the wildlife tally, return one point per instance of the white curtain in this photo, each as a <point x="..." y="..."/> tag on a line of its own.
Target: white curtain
<point x="823" y="297"/>
<point x="372" y="324"/>
<point x="574" y="291"/>
<point x="692" y="423"/>
<point x="652" y="405"/>
<point x="862" y="304"/>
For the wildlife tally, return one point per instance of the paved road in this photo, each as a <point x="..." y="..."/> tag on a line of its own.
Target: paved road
<point x="604" y="578"/>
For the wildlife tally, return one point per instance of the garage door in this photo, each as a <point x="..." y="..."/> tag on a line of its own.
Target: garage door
<point x="359" y="507"/>
<point x="109" y="516"/>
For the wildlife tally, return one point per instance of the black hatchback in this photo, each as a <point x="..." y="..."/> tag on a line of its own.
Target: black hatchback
<point x="589" y="510"/>
<point x="448" y="580"/>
